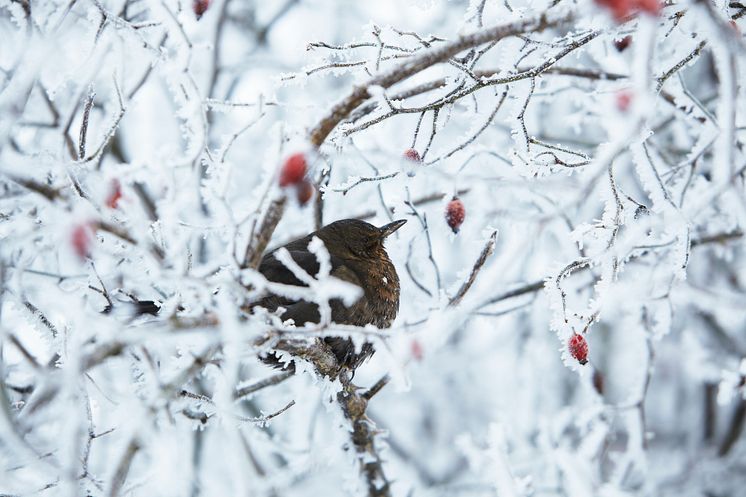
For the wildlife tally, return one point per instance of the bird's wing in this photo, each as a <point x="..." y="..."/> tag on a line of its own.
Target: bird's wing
<point x="300" y="244"/>
<point x="276" y="271"/>
<point x="301" y="311"/>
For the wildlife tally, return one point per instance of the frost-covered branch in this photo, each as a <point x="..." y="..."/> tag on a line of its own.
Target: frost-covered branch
<point x="426" y="59"/>
<point x="481" y="260"/>
<point x="604" y="141"/>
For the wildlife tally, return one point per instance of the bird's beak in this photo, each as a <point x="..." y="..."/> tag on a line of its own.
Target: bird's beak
<point x="387" y="229"/>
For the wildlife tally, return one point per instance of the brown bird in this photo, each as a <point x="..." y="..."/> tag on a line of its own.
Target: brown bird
<point x="357" y="255"/>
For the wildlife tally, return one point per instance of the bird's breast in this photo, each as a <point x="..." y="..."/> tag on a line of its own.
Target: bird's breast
<point x="380" y="302"/>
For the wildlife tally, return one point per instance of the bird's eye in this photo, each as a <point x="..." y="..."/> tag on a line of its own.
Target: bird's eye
<point x="360" y="248"/>
<point x="354" y="250"/>
<point x="373" y="245"/>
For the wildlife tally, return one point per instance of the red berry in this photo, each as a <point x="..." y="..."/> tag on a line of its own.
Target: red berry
<point x="115" y="193"/>
<point x="619" y="8"/>
<point x="578" y="348"/>
<point x="652" y="7"/>
<point x="455" y="214"/>
<point x="417" y="351"/>
<point x="622" y="43"/>
<point x="413" y="155"/>
<point x="623" y="100"/>
<point x="293" y="170"/>
<point x="81" y="239"/>
<point x="304" y="191"/>
<point x="200" y="7"/>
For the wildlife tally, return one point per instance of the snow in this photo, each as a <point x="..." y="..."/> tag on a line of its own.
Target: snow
<point x="623" y="224"/>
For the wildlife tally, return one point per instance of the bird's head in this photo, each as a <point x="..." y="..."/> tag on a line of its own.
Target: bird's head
<point x="356" y="239"/>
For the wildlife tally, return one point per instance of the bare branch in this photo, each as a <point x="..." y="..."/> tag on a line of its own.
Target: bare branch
<point x="255" y="249"/>
<point x="426" y="59"/>
<point x="123" y="468"/>
<point x="84" y="126"/>
<point x="344" y="190"/>
<point x="245" y="391"/>
<point x="486" y="252"/>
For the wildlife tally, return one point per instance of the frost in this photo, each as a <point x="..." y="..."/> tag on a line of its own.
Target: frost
<point x="611" y="171"/>
<point x="18" y="16"/>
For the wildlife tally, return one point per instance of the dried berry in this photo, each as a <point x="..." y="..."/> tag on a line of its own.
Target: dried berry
<point x="622" y="43"/>
<point x="200" y="7"/>
<point x="578" y="348"/>
<point x="621" y="9"/>
<point x="416" y="350"/>
<point x="115" y="194"/>
<point x="81" y="239"/>
<point x="304" y="191"/>
<point x="413" y="155"/>
<point x="455" y="214"/>
<point x="623" y="100"/>
<point x="293" y="170"/>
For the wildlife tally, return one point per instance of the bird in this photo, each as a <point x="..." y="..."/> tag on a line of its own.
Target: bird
<point x="357" y="255"/>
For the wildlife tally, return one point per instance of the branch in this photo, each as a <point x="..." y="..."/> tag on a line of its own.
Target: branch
<point x="122" y="234"/>
<point x="45" y="191"/>
<point x="377" y="387"/>
<point x="354" y="406"/>
<point x="422" y="218"/>
<point x="486" y="252"/>
<point x="257" y="246"/>
<point x="719" y="238"/>
<point x="345" y="189"/>
<point x="84" y="126"/>
<point x="694" y="53"/>
<point x="425" y="59"/>
<point x="317" y="353"/>
<point x="400" y="72"/>
<point x="123" y="468"/>
<point x="258" y="385"/>
<point x="371" y="106"/>
<point x="483" y="82"/>
<point x="424" y="200"/>
<point x="734" y="429"/>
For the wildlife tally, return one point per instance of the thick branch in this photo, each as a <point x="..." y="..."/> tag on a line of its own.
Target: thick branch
<point x="123" y="468"/>
<point x="354" y="406"/>
<point x="258" y="244"/>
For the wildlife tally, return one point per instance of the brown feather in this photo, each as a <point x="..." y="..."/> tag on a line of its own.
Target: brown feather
<point x="357" y="255"/>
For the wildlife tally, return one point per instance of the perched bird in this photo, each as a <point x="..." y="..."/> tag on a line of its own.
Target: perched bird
<point x="357" y="255"/>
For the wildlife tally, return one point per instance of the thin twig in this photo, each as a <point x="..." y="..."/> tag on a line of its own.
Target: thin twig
<point x="377" y="387"/>
<point x="84" y="126"/>
<point x="344" y="190"/>
<point x="486" y="252"/>
<point x="247" y="390"/>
